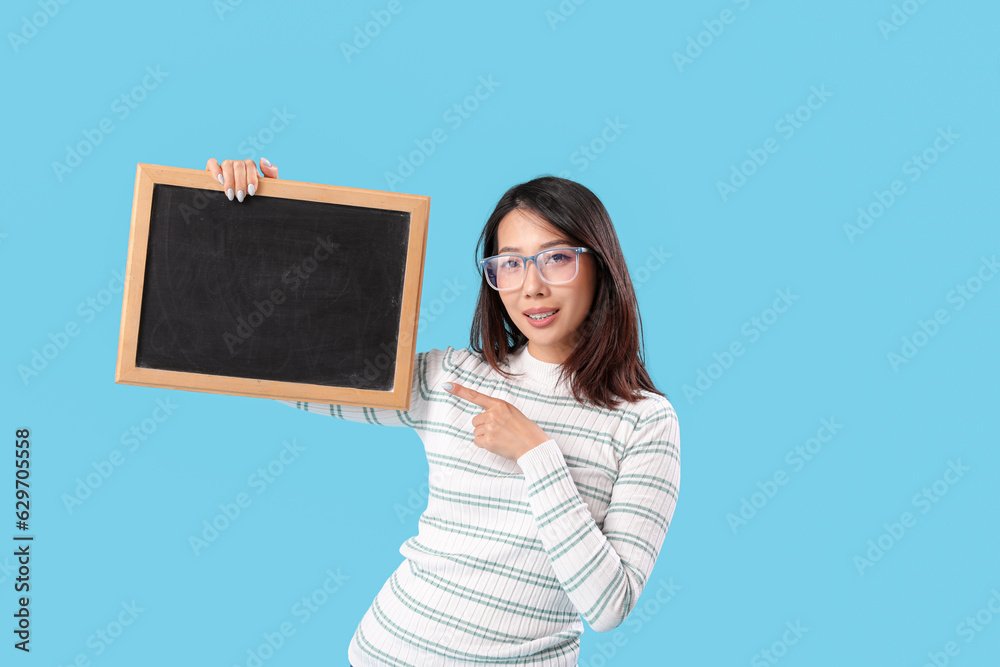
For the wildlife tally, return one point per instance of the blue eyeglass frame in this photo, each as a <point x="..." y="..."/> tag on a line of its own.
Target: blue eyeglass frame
<point x="577" y="250"/>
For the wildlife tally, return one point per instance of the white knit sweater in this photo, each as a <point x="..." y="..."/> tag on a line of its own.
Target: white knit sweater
<point x="509" y="555"/>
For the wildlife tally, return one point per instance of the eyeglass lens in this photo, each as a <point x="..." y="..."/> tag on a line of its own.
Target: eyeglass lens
<point x="555" y="266"/>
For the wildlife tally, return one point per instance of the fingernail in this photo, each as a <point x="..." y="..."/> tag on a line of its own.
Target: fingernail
<point x="229" y="193"/>
<point x="264" y="161"/>
<point x="251" y="189"/>
<point x="221" y="182"/>
<point x="239" y="195"/>
<point x="448" y="386"/>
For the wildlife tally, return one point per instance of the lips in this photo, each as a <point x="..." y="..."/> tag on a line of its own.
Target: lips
<point x="544" y="322"/>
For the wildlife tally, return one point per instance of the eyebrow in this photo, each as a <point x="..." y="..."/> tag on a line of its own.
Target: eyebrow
<point x="549" y="244"/>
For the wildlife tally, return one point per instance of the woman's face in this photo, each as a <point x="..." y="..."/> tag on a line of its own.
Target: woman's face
<point x="524" y="232"/>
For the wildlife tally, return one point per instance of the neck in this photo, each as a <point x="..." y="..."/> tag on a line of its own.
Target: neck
<point x="532" y="370"/>
<point x="550" y="355"/>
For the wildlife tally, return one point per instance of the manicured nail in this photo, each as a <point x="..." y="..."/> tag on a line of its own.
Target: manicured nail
<point x="448" y="386"/>
<point x="239" y="195"/>
<point x="221" y="182"/>
<point x="264" y="161"/>
<point x="251" y="189"/>
<point x="229" y="193"/>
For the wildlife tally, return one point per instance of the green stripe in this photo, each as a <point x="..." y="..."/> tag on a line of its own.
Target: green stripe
<point x="641" y="511"/>
<point x="460" y="464"/>
<point x="597" y="610"/>
<point x="629" y="538"/>
<point x="654" y="447"/>
<point x="503" y="604"/>
<point x="492" y="567"/>
<point x="639" y="576"/>
<point x="649" y="481"/>
<point x="375" y="652"/>
<point x="579" y="462"/>
<point x="569" y="428"/>
<point x="447" y="495"/>
<point x="570" y="541"/>
<point x="602" y="495"/>
<point x="548" y="480"/>
<point x="557" y="512"/>
<point x="449" y="620"/>
<point x="581" y="575"/>
<point x="571" y="645"/>
<point x="483" y="533"/>
<point x="656" y="415"/>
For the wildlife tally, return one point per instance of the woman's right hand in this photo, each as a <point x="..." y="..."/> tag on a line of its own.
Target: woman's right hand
<point x="238" y="178"/>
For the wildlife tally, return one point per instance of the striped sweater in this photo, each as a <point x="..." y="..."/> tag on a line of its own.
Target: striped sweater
<point x="508" y="555"/>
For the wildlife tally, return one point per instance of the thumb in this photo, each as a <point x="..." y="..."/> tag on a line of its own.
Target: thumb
<point x="267" y="168"/>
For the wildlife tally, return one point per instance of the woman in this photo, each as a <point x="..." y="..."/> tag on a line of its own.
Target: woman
<point x="554" y="462"/>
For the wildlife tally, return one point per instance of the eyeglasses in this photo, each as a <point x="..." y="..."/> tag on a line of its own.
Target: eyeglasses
<point x="555" y="266"/>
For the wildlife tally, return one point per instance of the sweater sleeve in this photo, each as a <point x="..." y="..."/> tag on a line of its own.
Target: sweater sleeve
<point x="603" y="573"/>
<point x="423" y="366"/>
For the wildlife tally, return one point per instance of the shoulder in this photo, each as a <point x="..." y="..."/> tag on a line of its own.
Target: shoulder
<point x="450" y="360"/>
<point x="655" y="407"/>
<point x="655" y="414"/>
<point x="655" y="435"/>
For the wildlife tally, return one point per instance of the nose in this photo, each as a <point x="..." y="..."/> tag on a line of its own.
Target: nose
<point x="532" y="279"/>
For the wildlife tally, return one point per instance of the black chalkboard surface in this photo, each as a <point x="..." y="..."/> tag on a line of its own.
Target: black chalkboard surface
<point x="303" y="291"/>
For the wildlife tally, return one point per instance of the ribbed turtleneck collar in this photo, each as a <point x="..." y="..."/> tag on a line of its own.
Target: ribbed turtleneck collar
<point x="536" y="372"/>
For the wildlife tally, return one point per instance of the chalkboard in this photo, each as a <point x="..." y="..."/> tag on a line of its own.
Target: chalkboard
<point x="304" y="291"/>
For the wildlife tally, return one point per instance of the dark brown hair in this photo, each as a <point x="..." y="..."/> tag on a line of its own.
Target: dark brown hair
<point x="606" y="365"/>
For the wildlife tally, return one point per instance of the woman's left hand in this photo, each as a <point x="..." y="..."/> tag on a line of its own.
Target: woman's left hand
<point x="501" y="428"/>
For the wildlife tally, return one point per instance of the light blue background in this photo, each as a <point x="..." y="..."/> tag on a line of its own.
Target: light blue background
<point x="336" y="506"/>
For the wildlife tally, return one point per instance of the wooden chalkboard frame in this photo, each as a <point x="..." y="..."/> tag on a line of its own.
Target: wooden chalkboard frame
<point x="127" y="372"/>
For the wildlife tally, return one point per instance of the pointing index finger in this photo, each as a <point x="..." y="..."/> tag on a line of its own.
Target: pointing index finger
<point x="482" y="400"/>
